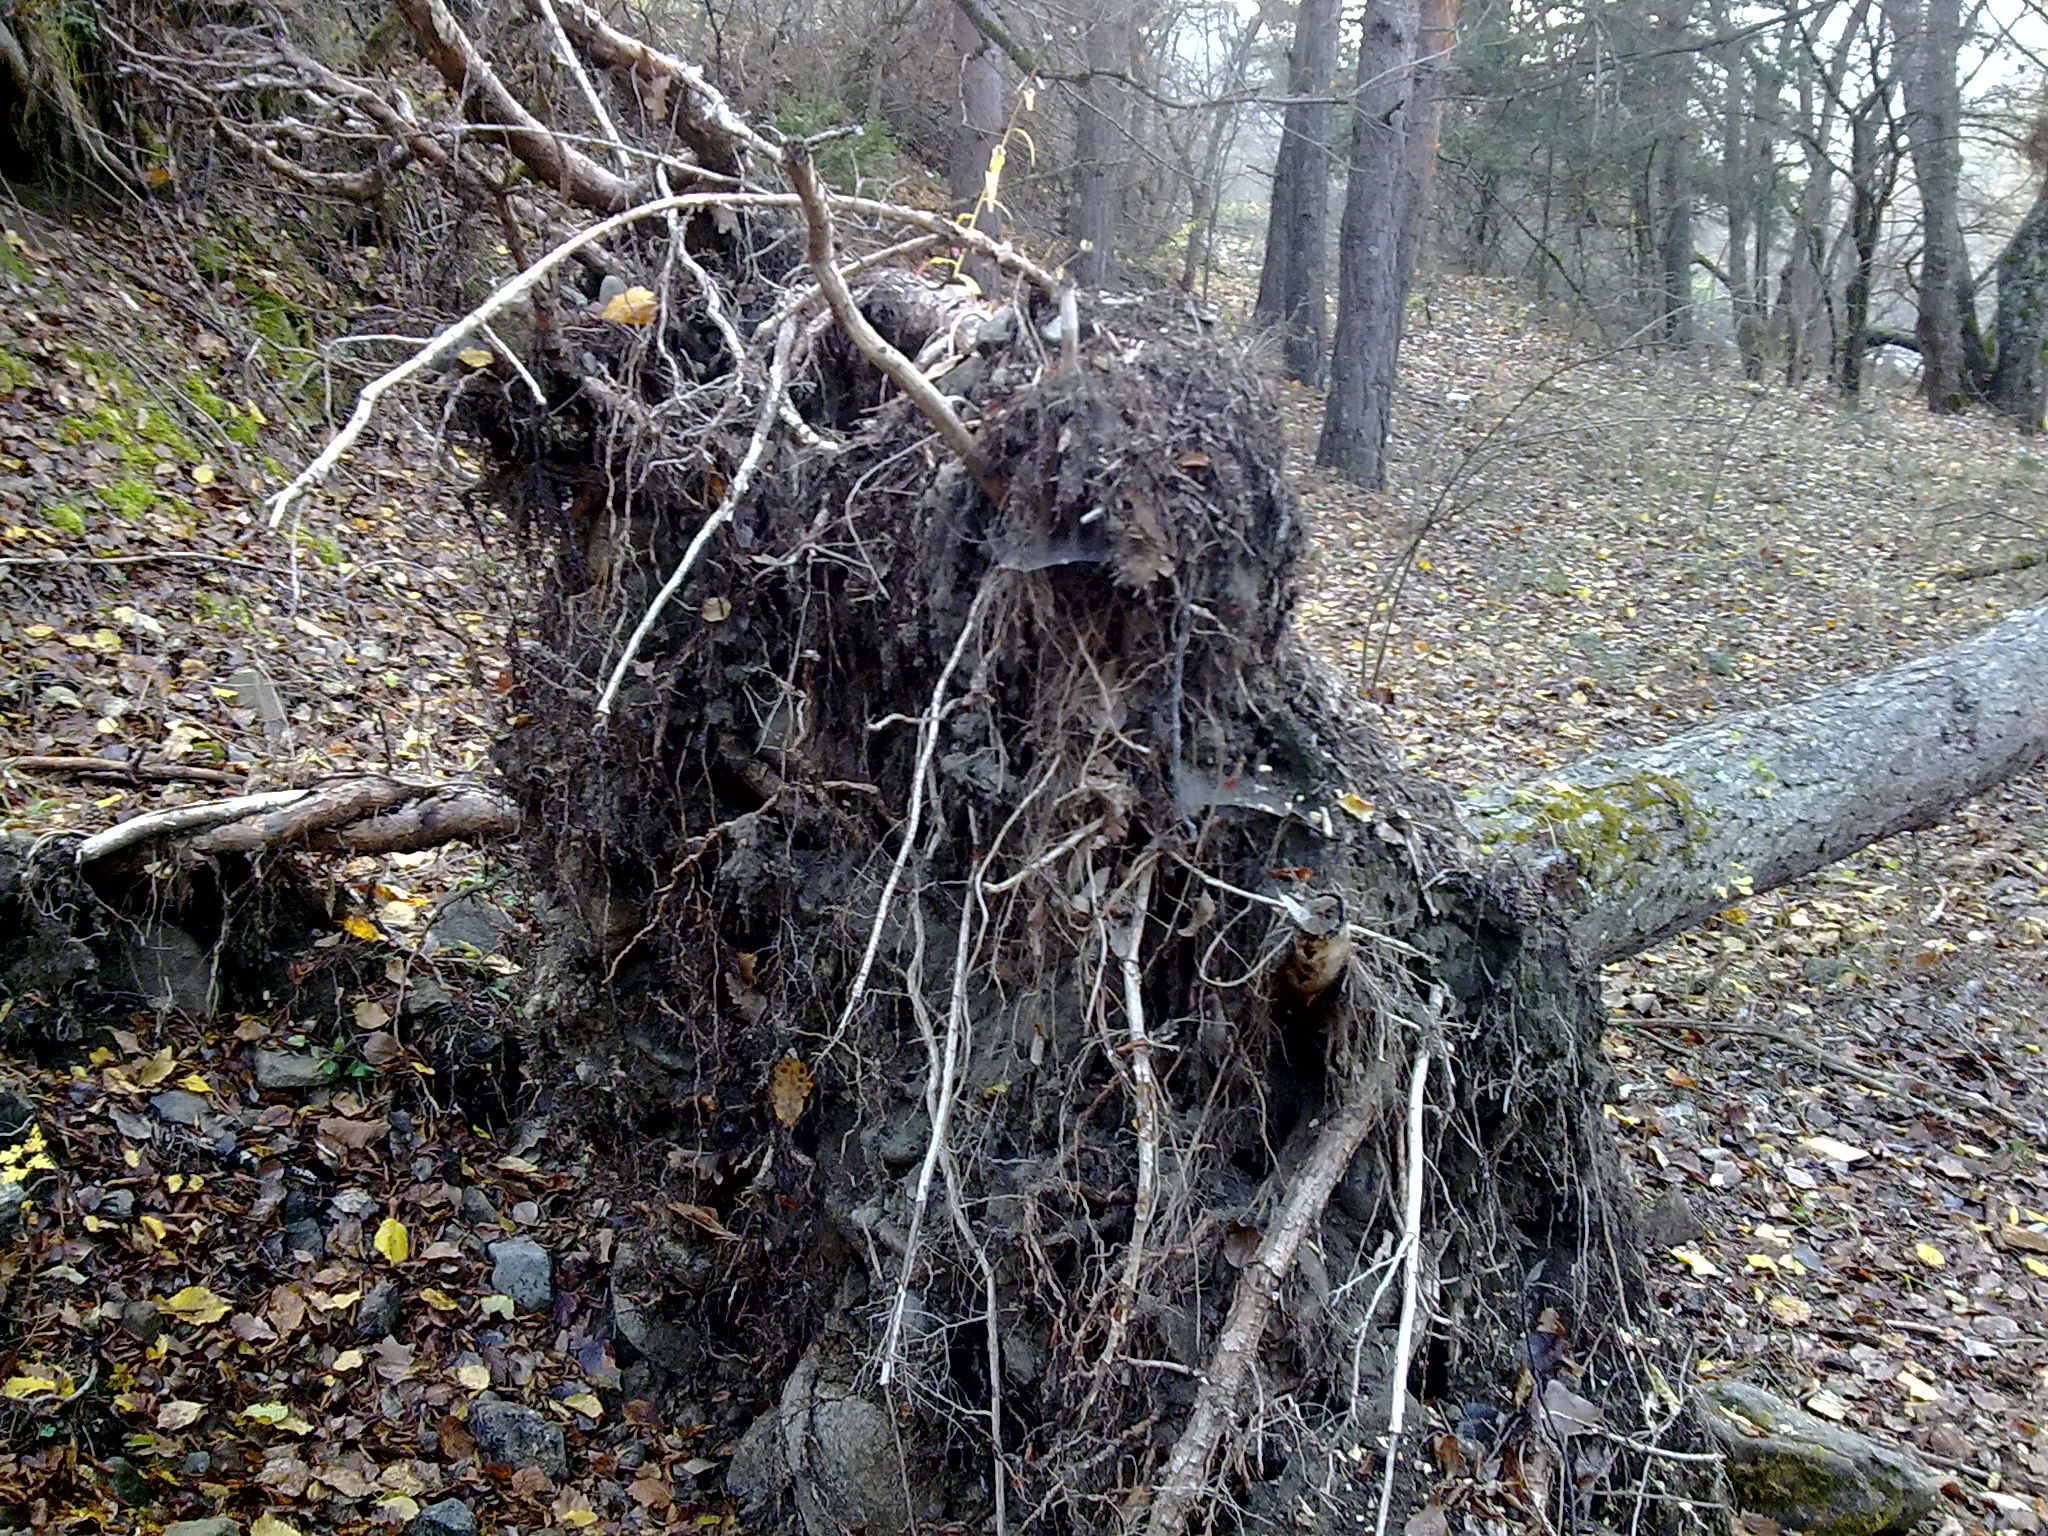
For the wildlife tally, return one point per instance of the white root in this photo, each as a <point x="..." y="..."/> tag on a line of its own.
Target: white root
<point x="1411" y="1286"/>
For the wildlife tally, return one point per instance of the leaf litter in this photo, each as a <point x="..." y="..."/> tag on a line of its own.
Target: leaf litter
<point x="285" y="1310"/>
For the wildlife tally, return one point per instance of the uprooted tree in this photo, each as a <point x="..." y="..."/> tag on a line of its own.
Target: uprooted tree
<point x="1094" y="1085"/>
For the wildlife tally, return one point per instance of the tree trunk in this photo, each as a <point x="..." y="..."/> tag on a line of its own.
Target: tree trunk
<point x="1928" y="35"/>
<point x="2020" y="386"/>
<point x="977" y="130"/>
<point x="1102" y="110"/>
<point x="1869" y="193"/>
<point x="1436" y="32"/>
<point x="1738" y="198"/>
<point x="1652" y="841"/>
<point x="1208" y="180"/>
<point x="1370" y="294"/>
<point x="1296" y="268"/>
<point x="1673" y="152"/>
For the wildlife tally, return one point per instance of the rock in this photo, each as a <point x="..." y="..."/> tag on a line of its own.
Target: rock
<point x="522" y="1269"/>
<point x="293" y="1071"/>
<point x="473" y="922"/>
<point x="254" y="691"/>
<point x="477" y="1208"/>
<point x="219" y="1525"/>
<point x="117" y="1204"/>
<point x="450" y="1517"/>
<point x="1810" y="1475"/>
<point x="306" y="1236"/>
<point x="511" y="1436"/>
<point x="13" y="1196"/>
<point x="167" y="968"/>
<point x="377" y="1313"/>
<point x="1670" y="1220"/>
<point x="141" y="1320"/>
<point x="835" y="1454"/>
<point x="177" y="1107"/>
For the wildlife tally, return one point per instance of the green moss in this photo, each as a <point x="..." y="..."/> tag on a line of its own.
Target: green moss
<point x="12" y="264"/>
<point x="67" y="517"/>
<point x="128" y="496"/>
<point x="14" y="371"/>
<point x="141" y="438"/>
<point x="1613" y="829"/>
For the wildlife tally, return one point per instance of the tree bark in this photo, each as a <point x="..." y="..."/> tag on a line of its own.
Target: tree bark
<point x="1870" y="192"/>
<point x="1295" y="272"/>
<point x="977" y="130"/>
<point x="1647" y="843"/>
<point x="2019" y="387"/>
<point x="1928" y="36"/>
<point x="1102" y="109"/>
<point x="1370" y="294"/>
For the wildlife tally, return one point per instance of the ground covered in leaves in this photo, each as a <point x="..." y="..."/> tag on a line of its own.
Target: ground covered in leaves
<point x="308" y="1269"/>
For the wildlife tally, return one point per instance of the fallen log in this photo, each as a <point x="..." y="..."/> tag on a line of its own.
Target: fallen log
<point x="1643" y="844"/>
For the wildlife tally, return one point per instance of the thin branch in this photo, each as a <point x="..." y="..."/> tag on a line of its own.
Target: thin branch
<point x="107" y="768"/>
<point x="1411" y="1287"/>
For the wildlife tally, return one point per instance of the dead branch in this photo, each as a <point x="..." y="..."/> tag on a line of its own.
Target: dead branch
<point x="354" y="816"/>
<point x="107" y="768"/>
<point x="920" y="390"/>
<point x="500" y="116"/>
<point x="1185" y="1479"/>
<point x="2005" y="567"/>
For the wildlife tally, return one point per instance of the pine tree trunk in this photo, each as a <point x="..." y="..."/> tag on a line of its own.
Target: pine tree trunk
<point x="1928" y="36"/>
<point x="1370" y="295"/>
<point x="2020" y="386"/>
<point x="1102" y="110"/>
<point x="1295" y="272"/>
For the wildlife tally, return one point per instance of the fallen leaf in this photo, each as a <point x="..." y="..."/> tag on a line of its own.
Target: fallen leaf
<point x="270" y="1525"/>
<point x="157" y="1068"/>
<point x="1827" y="1406"/>
<point x="585" y="1403"/>
<point x="789" y="1089"/>
<point x="177" y="1414"/>
<point x="357" y="926"/>
<point x="1791" y="1310"/>
<point x="636" y="306"/>
<point x="1834" y="1151"/>
<point x="1929" y="1255"/>
<point x="474" y="1378"/>
<point x="392" y="1240"/>
<point x="1697" y="1262"/>
<point x="195" y="1304"/>
<point x="475" y="357"/>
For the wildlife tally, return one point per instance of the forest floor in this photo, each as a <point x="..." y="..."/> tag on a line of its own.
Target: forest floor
<point x="282" y="1300"/>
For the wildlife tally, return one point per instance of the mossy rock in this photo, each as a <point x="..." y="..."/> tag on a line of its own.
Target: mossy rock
<point x="1809" y="1475"/>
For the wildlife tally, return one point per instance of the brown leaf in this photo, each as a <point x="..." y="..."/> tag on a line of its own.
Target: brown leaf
<point x="356" y="1135"/>
<point x="789" y="1089"/>
<point x="651" y="1491"/>
<point x="1430" y="1520"/>
<point x="456" y="1442"/>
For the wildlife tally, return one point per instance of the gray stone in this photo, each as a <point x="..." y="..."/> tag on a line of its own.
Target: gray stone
<point x="523" y="1270"/>
<point x="377" y="1313"/>
<point x="141" y="1320"/>
<point x="306" y="1236"/>
<point x="167" y="969"/>
<point x="13" y="1196"/>
<point x="477" y="1208"/>
<point x="450" y="1517"/>
<point x="293" y="1071"/>
<point x="511" y="1436"/>
<point x="474" y="922"/>
<point x="219" y="1525"/>
<point x="254" y="691"/>
<point x="117" y="1204"/>
<point x="1669" y="1220"/>
<point x="1810" y="1475"/>
<point x="834" y="1454"/>
<point x="178" y="1107"/>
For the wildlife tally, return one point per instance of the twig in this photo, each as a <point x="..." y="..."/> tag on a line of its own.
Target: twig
<point x="920" y="390"/>
<point x="102" y="767"/>
<point x="182" y="818"/>
<point x="736" y="489"/>
<point x="1186" y="1475"/>
<point x="913" y="821"/>
<point x="1411" y="1287"/>
<point x="1125" y="943"/>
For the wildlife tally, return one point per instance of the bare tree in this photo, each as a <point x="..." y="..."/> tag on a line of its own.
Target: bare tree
<point x="1295" y="273"/>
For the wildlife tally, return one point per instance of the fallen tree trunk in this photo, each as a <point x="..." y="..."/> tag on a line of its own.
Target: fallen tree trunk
<point x="1641" y="845"/>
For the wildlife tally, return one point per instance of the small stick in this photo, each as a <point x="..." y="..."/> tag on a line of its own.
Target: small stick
<point x="1411" y="1287"/>
<point x="102" y="767"/>
<point x="1125" y="943"/>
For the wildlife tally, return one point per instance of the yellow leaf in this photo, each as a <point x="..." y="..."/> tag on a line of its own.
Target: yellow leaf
<point x="789" y="1089"/>
<point x="473" y="1378"/>
<point x="203" y="474"/>
<point x="347" y="1360"/>
<point x="1760" y="1261"/>
<point x="495" y="1306"/>
<point x="636" y="306"/>
<point x="477" y="357"/>
<point x="398" y="1509"/>
<point x="195" y="1304"/>
<point x="1356" y="806"/>
<point x="157" y="1068"/>
<point x="1697" y="1262"/>
<point x="2035" y="1266"/>
<point x="439" y="1300"/>
<point x="585" y="1403"/>
<point x="1929" y="1255"/>
<point x="19" y="1387"/>
<point x="578" y="1517"/>
<point x="357" y="926"/>
<point x="270" y="1525"/>
<point x="192" y="1082"/>
<point x="266" y="1413"/>
<point x="1918" y="1390"/>
<point x="393" y="1241"/>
